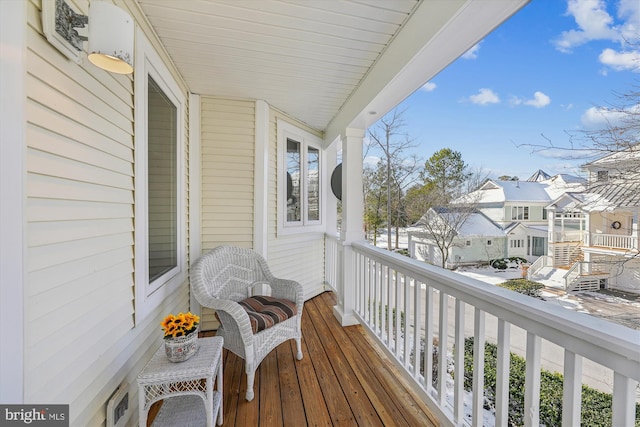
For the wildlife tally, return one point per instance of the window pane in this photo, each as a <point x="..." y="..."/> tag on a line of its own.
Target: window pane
<point x="293" y="181"/>
<point x="313" y="184"/>
<point x="162" y="183"/>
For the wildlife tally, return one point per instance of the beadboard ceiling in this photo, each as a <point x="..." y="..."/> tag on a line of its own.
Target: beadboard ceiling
<point x="304" y="57"/>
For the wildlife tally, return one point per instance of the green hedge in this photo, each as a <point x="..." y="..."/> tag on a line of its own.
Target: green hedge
<point x="524" y="286"/>
<point x="596" y="405"/>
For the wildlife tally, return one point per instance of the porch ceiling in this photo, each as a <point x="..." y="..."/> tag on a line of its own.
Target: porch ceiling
<point x="327" y="63"/>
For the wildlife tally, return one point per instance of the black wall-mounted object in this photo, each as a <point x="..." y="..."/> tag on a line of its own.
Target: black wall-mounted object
<point x="336" y="182"/>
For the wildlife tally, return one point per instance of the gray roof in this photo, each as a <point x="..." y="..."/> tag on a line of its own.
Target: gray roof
<point x="540" y="175"/>
<point x="620" y="192"/>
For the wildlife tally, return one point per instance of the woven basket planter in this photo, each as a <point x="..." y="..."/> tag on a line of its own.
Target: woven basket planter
<point x="181" y="348"/>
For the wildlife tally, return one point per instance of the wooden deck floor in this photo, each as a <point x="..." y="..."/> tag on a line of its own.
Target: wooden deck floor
<point x="342" y="380"/>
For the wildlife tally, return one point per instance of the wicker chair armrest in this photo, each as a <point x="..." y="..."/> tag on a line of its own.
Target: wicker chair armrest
<point x="234" y="311"/>
<point x="288" y="289"/>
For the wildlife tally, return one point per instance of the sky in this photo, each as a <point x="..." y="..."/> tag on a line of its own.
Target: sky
<point x="551" y="70"/>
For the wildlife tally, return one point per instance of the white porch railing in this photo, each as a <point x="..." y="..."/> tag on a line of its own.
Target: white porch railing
<point x="568" y="236"/>
<point x="615" y="241"/>
<point x="572" y="274"/>
<point x="542" y="262"/>
<point x="333" y="263"/>
<point x="401" y="301"/>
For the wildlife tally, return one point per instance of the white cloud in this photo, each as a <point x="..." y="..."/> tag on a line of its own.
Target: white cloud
<point x="485" y="96"/>
<point x="539" y="100"/>
<point x="594" y="23"/>
<point x="629" y="13"/>
<point x="429" y="87"/>
<point x="621" y="61"/>
<point x="472" y="53"/>
<point x="602" y="117"/>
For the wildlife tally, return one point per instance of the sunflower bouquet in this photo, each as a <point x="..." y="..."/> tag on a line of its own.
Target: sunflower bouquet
<point x="179" y="326"/>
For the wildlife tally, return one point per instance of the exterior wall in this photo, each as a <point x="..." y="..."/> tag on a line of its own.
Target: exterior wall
<point x="305" y="248"/>
<point x="478" y="252"/>
<point x="227" y="177"/>
<point x="81" y="340"/>
<point x="227" y="182"/>
<point x="625" y="275"/>
<point x="535" y="212"/>
<point x="600" y="222"/>
<point x="227" y="150"/>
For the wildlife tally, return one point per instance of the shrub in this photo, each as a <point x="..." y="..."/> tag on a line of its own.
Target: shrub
<point x="503" y="263"/>
<point x="596" y="405"/>
<point x="524" y="286"/>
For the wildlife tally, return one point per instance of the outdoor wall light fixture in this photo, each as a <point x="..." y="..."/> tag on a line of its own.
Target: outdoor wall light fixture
<point x="110" y="33"/>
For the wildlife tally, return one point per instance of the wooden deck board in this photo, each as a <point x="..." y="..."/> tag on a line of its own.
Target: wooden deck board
<point x="342" y="380"/>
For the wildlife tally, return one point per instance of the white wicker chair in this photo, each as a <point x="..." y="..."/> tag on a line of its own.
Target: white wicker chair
<point x="220" y="279"/>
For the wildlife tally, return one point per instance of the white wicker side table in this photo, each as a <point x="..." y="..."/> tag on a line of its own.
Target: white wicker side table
<point x="184" y="386"/>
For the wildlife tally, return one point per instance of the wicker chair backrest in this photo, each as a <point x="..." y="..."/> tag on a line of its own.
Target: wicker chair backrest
<point x="228" y="271"/>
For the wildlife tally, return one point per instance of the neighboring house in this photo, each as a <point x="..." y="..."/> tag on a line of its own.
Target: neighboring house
<point x="474" y="238"/>
<point x="112" y="184"/>
<point x="516" y="210"/>
<point x="594" y="234"/>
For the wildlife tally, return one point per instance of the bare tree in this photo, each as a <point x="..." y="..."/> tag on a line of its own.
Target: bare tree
<point x="442" y="226"/>
<point x="389" y="136"/>
<point x="374" y="199"/>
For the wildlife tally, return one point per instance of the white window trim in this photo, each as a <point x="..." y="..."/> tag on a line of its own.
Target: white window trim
<point x="148" y="297"/>
<point x="306" y="139"/>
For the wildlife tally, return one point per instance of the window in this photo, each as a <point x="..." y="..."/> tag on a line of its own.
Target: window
<point x="516" y="243"/>
<point x="467" y="243"/>
<point x="602" y="176"/>
<point x="544" y="214"/>
<point x="162" y="203"/>
<point x="519" y="213"/>
<point x="300" y="183"/>
<point x="489" y="243"/>
<point x="160" y="221"/>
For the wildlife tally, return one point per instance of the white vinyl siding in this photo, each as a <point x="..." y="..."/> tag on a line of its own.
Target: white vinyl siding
<point x="227" y="182"/>
<point x="80" y="340"/>
<point x="292" y="256"/>
<point x="227" y="150"/>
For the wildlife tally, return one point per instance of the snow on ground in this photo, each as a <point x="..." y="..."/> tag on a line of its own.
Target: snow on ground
<point x="489" y="274"/>
<point x="552" y="294"/>
<point x="381" y="241"/>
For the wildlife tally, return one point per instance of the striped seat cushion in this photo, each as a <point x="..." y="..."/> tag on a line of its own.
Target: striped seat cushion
<point x="265" y="311"/>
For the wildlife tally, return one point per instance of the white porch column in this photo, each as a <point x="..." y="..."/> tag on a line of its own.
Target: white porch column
<point x="635" y="241"/>
<point x="551" y="222"/>
<point x="352" y="221"/>
<point x="587" y="229"/>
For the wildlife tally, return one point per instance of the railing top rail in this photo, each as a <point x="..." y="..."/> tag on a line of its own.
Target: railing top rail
<point x="604" y="342"/>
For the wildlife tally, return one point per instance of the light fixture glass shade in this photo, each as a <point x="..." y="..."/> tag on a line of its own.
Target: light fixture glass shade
<point x="110" y="37"/>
